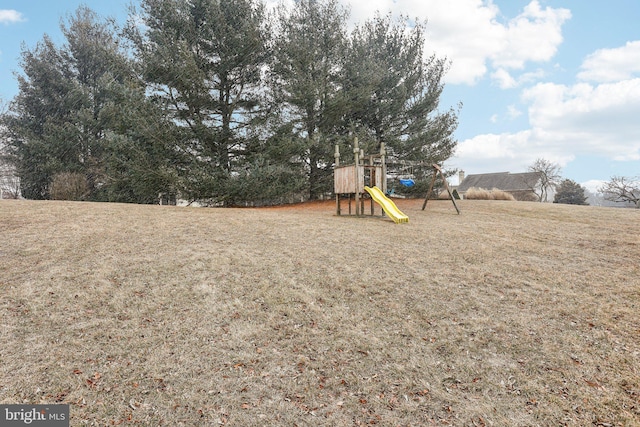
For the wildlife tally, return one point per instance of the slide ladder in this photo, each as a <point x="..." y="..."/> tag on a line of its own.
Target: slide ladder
<point x="387" y="204"/>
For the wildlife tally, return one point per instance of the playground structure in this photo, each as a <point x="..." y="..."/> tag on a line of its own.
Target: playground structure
<point x="368" y="176"/>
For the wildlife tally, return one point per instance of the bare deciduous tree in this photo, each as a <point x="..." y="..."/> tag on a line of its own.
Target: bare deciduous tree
<point x="9" y="182"/>
<point x="622" y="190"/>
<point x="550" y="175"/>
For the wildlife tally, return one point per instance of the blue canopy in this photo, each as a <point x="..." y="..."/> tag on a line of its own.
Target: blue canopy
<point x="407" y="182"/>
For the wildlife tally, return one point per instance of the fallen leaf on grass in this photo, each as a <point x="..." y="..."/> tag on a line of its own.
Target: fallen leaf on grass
<point x="595" y="384"/>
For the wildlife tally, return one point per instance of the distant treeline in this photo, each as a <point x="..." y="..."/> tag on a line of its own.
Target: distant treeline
<point x="220" y="100"/>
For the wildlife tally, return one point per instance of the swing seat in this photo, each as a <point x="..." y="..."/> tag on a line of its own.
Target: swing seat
<point x="407" y="182"/>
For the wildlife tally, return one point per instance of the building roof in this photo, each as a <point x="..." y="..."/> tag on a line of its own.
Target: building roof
<point x="505" y="181"/>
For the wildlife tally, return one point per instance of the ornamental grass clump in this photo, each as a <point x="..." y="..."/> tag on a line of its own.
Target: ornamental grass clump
<point x="481" y="194"/>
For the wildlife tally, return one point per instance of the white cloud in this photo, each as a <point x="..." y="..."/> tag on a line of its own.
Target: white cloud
<point x="465" y="31"/>
<point x="504" y="79"/>
<point x="506" y="152"/>
<point x="534" y="35"/>
<point x="493" y="147"/>
<point x="599" y="120"/>
<point x="593" y="185"/>
<point x="611" y="65"/>
<point x="566" y="122"/>
<point x="468" y="33"/>
<point x="513" y="112"/>
<point x="10" y="16"/>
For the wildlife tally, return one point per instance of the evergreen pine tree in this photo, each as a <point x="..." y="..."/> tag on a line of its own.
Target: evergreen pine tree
<point x="570" y="192"/>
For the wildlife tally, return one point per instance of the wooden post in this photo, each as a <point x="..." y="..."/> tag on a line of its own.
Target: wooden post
<point x="383" y="154"/>
<point x="433" y="180"/>
<point x="356" y="157"/>
<point x="336" y="164"/>
<point x="383" y="160"/>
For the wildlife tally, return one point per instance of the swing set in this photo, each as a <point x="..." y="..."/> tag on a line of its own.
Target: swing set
<point x="437" y="170"/>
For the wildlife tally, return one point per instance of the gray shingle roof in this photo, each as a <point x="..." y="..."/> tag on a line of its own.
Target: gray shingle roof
<point x="502" y="181"/>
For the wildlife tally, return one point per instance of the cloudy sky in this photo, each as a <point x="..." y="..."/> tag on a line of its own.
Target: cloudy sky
<point x="553" y="79"/>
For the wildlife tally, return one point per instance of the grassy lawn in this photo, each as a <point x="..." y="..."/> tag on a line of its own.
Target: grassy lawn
<point x="512" y="313"/>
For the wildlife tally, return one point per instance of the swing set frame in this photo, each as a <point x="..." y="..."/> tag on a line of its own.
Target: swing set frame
<point x="437" y="170"/>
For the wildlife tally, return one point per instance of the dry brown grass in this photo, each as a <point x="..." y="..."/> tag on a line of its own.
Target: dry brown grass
<point x="508" y="314"/>
<point x="481" y="194"/>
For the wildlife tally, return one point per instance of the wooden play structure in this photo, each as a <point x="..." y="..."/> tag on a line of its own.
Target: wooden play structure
<point x="366" y="179"/>
<point x="350" y="180"/>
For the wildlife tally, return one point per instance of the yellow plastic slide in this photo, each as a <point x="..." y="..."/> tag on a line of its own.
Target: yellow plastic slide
<point x="387" y="204"/>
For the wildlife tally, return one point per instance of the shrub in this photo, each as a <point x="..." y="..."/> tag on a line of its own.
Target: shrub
<point x="69" y="186"/>
<point x="265" y="184"/>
